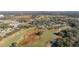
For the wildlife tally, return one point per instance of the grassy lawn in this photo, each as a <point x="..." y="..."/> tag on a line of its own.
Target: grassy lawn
<point x="45" y="37"/>
<point x="13" y="38"/>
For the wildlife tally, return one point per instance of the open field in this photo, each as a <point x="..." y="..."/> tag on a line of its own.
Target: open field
<point x="13" y="38"/>
<point x="16" y="37"/>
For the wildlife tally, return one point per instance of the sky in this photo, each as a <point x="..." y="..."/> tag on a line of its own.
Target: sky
<point x="39" y="5"/>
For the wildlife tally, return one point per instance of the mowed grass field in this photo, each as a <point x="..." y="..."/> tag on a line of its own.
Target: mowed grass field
<point x="44" y="38"/>
<point x="13" y="38"/>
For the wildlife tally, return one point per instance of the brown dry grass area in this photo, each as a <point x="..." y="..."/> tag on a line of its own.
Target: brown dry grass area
<point x="1" y="38"/>
<point x="29" y="38"/>
<point x="27" y="17"/>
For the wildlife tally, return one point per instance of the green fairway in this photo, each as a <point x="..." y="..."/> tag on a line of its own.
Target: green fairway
<point x="13" y="38"/>
<point x="45" y="37"/>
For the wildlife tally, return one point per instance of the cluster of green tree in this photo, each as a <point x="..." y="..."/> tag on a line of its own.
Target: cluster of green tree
<point x="70" y="38"/>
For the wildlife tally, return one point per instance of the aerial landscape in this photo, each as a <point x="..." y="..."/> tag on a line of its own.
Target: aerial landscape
<point x="39" y="28"/>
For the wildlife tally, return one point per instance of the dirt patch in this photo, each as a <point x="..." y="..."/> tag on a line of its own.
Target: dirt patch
<point x="30" y="38"/>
